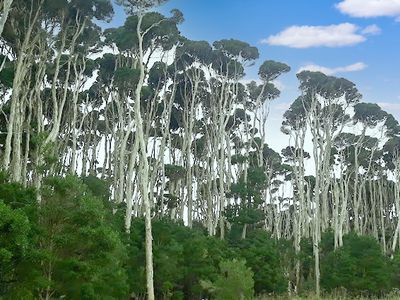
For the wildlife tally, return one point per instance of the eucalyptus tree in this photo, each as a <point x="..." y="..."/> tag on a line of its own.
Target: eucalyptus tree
<point x="147" y="32"/>
<point x="261" y="96"/>
<point x="193" y="57"/>
<point x="369" y="115"/>
<point x="229" y="59"/>
<point x="391" y="159"/>
<point x="83" y="67"/>
<point x="343" y="152"/>
<point x="65" y="73"/>
<point x="295" y="126"/>
<point x="325" y="99"/>
<point x="391" y="156"/>
<point x="39" y="42"/>
<point x="20" y="34"/>
<point x="256" y="100"/>
<point x="159" y="34"/>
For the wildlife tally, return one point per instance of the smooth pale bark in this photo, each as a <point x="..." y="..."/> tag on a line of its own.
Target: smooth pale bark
<point x="22" y="67"/>
<point x="59" y="107"/>
<point x="144" y="169"/>
<point x="6" y="8"/>
<point x="382" y="216"/>
<point x="299" y="172"/>
<point x="189" y="117"/>
<point x="166" y="138"/>
<point x="130" y="181"/>
<point x="317" y="154"/>
<point x="75" y="130"/>
<point x="396" y="235"/>
<point x="24" y="170"/>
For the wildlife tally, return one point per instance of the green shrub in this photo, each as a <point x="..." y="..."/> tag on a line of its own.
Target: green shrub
<point x="359" y="266"/>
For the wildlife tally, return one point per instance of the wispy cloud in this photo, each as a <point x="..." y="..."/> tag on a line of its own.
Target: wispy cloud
<point x="331" y="71"/>
<point x="341" y="35"/>
<point x="370" y="8"/>
<point x="372" y="30"/>
<point x="389" y="106"/>
<point x="279" y="85"/>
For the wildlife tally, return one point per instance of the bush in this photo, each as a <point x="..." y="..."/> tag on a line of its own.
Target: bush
<point x="359" y="267"/>
<point x="82" y="254"/>
<point x="182" y="258"/>
<point x="14" y="242"/>
<point x="66" y="248"/>
<point x="262" y="255"/>
<point x="235" y="281"/>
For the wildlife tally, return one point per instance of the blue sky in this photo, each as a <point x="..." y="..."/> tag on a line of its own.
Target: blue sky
<point x="255" y="20"/>
<point x="355" y="39"/>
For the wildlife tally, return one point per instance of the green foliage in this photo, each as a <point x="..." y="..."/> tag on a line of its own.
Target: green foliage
<point x="18" y="197"/>
<point x="328" y="87"/>
<point x="99" y="9"/>
<point x="14" y="242"/>
<point x="263" y="92"/>
<point x="235" y="281"/>
<point x="161" y="32"/>
<point x="18" y="235"/>
<point x="395" y="270"/>
<point x="194" y="51"/>
<point x="238" y="159"/>
<point x="370" y="114"/>
<point x="7" y="73"/>
<point x="182" y="257"/>
<point x="132" y="5"/>
<point x="158" y="75"/>
<point x="243" y="215"/>
<point x="126" y="79"/>
<point x="392" y="126"/>
<point x="295" y="117"/>
<point x="270" y="70"/>
<point x="70" y="214"/>
<point x="237" y="49"/>
<point x="263" y="257"/>
<point x="359" y="267"/>
<point x="174" y="172"/>
<point x="227" y="67"/>
<point x="72" y="238"/>
<point x="67" y="247"/>
<point x="98" y="187"/>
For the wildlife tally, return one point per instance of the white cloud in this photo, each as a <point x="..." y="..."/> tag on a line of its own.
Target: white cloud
<point x="389" y="106"/>
<point x="317" y="68"/>
<point x="279" y="85"/>
<point x="370" y="8"/>
<point x="331" y="71"/>
<point x="372" y="30"/>
<point x="340" y="35"/>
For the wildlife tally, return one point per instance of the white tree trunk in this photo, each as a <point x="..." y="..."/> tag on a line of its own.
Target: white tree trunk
<point x="6" y="8"/>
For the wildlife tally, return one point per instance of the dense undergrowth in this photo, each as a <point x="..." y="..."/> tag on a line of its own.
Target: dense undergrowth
<point x="74" y="247"/>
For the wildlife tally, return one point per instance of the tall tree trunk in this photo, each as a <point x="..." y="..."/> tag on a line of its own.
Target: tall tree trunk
<point x="144" y="170"/>
<point x="6" y="8"/>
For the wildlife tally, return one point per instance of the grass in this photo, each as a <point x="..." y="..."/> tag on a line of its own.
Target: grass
<point x="394" y="297"/>
<point x="339" y="294"/>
